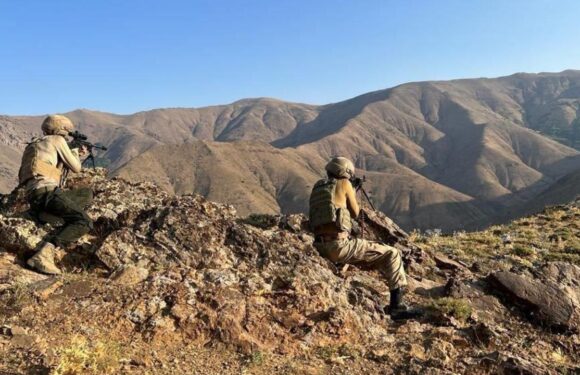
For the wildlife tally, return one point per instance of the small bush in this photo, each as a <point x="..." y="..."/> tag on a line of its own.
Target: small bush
<point x="82" y="357"/>
<point x="256" y="358"/>
<point x="457" y="308"/>
<point x="564" y="233"/>
<point x="325" y="352"/>
<point x="527" y="233"/>
<point x="20" y="295"/>
<point x="523" y="251"/>
<point x="416" y="237"/>
<point x="572" y="246"/>
<point x="483" y="238"/>
<point x="349" y="351"/>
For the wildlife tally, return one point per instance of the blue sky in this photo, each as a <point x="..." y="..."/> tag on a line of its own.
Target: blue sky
<point x="132" y="55"/>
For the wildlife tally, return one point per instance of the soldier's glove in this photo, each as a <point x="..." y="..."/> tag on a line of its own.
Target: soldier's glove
<point x="83" y="151"/>
<point x="356" y="182"/>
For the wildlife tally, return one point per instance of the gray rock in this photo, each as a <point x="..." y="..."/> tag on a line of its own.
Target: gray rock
<point x="19" y="235"/>
<point x="446" y="263"/>
<point x="545" y="302"/>
<point x="563" y="273"/>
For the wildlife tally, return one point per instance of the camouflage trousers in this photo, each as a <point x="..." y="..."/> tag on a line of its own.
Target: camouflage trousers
<point x="366" y="254"/>
<point x="66" y="206"/>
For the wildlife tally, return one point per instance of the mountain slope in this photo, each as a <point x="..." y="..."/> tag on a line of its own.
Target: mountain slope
<point x="258" y="178"/>
<point x="254" y="176"/>
<point x="451" y="154"/>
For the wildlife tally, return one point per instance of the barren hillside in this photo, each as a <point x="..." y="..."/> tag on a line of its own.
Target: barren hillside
<point x="449" y="154"/>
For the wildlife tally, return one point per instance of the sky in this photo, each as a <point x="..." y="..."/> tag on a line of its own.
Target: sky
<point x="132" y="55"/>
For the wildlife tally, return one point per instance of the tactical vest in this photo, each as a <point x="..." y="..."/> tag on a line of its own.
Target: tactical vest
<point x="323" y="211"/>
<point x="32" y="166"/>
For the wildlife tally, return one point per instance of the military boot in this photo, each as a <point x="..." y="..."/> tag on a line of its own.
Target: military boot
<point x="400" y="311"/>
<point x="43" y="260"/>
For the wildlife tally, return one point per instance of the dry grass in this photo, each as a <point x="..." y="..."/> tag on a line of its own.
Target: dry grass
<point x="551" y="235"/>
<point x="330" y="353"/>
<point x="84" y="357"/>
<point x="19" y="295"/>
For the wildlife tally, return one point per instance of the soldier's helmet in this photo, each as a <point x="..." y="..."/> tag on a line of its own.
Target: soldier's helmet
<point x="340" y="167"/>
<point x="57" y="125"/>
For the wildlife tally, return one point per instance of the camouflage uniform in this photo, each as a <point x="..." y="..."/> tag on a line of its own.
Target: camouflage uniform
<point x="42" y="165"/>
<point x="67" y="205"/>
<point x="332" y="205"/>
<point x="366" y="254"/>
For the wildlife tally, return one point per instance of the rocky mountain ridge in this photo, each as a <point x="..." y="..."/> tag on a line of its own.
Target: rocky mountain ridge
<point x="167" y="284"/>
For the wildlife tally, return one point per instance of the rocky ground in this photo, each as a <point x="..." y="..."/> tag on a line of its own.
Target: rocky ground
<point x="170" y="285"/>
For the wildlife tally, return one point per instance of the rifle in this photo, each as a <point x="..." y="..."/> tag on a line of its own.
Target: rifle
<point x="81" y="140"/>
<point x="357" y="183"/>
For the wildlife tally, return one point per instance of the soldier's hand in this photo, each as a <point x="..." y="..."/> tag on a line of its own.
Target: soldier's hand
<point x="356" y="182"/>
<point x="83" y="150"/>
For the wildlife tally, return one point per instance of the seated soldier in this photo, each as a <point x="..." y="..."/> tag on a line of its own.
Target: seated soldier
<point x="332" y="205"/>
<point x="43" y="164"/>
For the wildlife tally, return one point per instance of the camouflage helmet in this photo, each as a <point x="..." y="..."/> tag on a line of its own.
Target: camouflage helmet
<point x="340" y="167"/>
<point x="57" y="125"/>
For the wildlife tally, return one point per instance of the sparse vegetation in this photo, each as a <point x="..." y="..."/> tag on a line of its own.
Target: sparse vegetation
<point x="325" y="352"/>
<point x="199" y="310"/>
<point x="552" y="235"/>
<point x="84" y="357"/>
<point x="19" y="295"/>
<point x="331" y="352"/>
<point x="523" y="251"/>
<point x="454" y="307"/>
<point x="256" y="358"/>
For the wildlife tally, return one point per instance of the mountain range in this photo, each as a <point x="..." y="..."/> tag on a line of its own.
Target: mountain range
<point x="453" y="155"/>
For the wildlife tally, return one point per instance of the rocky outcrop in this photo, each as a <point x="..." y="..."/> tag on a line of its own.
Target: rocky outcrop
<point x="255" y="285"/>
<point x="544" y="301"/>
<point x="19" y="235"/>
<point x="163" y="273"/>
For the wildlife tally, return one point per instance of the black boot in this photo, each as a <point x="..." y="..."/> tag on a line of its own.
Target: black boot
<point x="398" y="310"/>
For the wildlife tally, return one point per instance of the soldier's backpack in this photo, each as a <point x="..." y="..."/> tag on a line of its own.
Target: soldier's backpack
<point x="323" y="211"/>
<point x="31" y="166"/>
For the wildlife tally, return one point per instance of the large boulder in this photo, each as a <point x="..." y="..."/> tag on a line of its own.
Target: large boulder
<point x="19" y="235"/>
<point x="13" y="274"/>
<point x="546" y="302"/>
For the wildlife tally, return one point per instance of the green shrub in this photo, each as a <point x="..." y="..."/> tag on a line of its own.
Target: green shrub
<point x="455" y="307"/>
<point x="523" y="251"/>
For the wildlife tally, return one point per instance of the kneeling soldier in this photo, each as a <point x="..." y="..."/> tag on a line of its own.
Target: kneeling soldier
<point x="332" y="205"/>
<point x="43" y="163"/>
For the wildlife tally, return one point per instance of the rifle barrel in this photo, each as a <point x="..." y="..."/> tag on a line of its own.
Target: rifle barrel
<point x="92" y="145"/>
